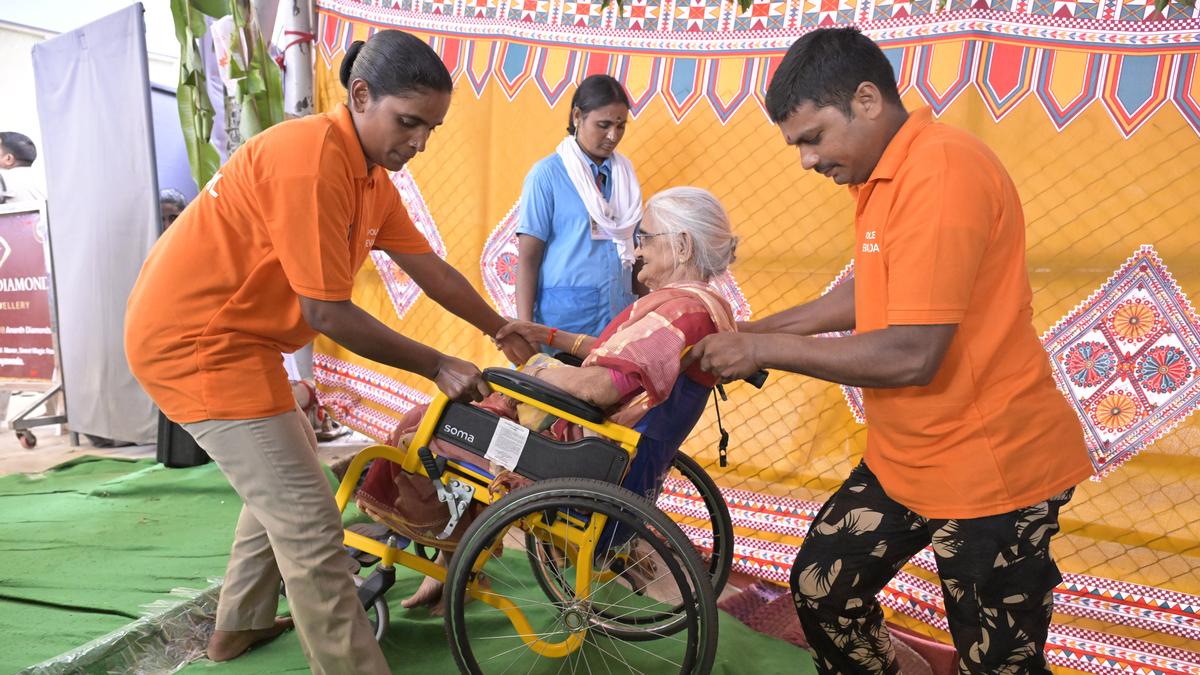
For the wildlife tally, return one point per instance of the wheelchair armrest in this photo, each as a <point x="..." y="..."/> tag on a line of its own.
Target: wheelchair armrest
<point x="569" y="359"/>
<point x="543" y="392"/>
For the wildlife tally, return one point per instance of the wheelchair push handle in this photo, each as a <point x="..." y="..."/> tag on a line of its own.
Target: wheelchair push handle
<point x="758" y="379"/>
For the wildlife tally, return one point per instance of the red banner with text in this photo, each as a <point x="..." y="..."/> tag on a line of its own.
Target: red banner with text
<point x="26" y="336"/>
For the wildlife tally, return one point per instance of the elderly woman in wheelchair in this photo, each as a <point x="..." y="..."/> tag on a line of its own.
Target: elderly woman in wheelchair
<point x="544" y="491"/>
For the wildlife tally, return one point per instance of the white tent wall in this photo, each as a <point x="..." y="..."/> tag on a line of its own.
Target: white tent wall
<point x="94" y="106"/>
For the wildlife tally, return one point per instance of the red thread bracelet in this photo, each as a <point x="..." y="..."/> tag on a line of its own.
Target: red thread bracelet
<point x="550" y="340"/>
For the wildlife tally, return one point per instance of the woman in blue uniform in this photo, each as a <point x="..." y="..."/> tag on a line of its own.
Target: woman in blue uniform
<point x="579" y="209"/>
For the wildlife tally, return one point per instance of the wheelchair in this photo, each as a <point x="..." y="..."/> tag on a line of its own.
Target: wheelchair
<point x="570" y="571"/>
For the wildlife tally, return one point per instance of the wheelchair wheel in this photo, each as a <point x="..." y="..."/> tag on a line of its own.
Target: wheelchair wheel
<point x="569" y="630"/>
<point x="557" y="582"/>
<point x="721" y="559"/>
<point x="378" y="614"/>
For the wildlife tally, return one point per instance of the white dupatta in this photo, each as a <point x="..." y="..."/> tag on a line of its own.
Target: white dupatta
<point x="616" y="217"/>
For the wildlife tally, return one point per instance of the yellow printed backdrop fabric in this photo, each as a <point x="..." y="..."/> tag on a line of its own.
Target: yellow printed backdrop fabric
<point x="1093" y="107"/>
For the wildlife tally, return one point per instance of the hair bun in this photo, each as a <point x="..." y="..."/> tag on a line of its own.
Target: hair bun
<point x="348" y="62"/>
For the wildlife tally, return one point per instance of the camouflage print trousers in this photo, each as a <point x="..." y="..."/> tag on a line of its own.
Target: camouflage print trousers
<point x="997" y="579"/>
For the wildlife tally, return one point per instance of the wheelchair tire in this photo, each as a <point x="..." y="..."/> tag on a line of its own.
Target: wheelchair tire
<point x="721" y="560"/>
<point x="382" y="617"/>
<point x="718" y="563"/>
<point x="472" y="629"/>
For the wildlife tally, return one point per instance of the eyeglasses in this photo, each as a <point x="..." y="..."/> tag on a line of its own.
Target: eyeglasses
<point x="639" y="238"/>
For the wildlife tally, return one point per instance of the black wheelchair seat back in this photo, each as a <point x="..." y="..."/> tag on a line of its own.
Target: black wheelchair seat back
<point x="472" y="429"/>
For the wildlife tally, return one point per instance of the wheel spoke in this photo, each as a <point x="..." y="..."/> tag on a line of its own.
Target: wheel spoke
<point x="596" y="635"/>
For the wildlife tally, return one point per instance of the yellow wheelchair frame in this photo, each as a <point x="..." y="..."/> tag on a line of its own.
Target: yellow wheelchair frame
<point x="573" y="536"/>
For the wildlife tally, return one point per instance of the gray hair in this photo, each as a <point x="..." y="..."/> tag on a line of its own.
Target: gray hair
<point x="699" y="214"/>
<point x="172" y="196"/>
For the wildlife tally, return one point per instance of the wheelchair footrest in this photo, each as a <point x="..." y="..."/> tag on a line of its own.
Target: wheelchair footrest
<point x="378" y="532"/>
<point x="380" y="581"/>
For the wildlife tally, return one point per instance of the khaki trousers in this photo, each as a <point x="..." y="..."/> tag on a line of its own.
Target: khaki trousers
<point x="289" y="528"/>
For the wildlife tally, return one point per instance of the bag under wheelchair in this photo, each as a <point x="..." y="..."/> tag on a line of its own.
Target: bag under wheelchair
<point x="571" y="572"/>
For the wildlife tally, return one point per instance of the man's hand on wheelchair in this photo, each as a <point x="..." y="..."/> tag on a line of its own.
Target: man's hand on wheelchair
<point x="460" y="380"/>
<point x="728" y="356"/>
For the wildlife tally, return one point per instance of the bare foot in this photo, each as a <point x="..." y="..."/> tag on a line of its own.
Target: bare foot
<point x="230" y="644"/>
<point x="438" y="610"/>
<point x="428" y="595"/>
<point x="481" y="585"/>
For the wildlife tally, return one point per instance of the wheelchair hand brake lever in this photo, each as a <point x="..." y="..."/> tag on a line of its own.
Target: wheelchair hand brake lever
<point x="455" y="493"/>
<point x="433" y="465"/>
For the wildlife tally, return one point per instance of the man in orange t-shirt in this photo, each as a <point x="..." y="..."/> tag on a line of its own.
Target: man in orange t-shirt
<point x="969" y="444"/>
<point x="262" y="261"/>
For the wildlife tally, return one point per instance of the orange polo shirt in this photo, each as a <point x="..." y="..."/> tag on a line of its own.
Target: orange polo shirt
<point x="293" y="212"/>
<point x="940" y="239"/>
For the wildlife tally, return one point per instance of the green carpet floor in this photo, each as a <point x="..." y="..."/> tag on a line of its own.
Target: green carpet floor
<point x="416" y="643"/>
<point x="89" y="544"/>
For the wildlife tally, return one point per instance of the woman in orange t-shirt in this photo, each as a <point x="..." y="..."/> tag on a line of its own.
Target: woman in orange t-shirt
<point x="262" y="261"/>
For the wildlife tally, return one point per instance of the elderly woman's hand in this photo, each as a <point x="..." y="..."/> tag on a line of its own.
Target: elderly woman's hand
<point x="533" y="333"/>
